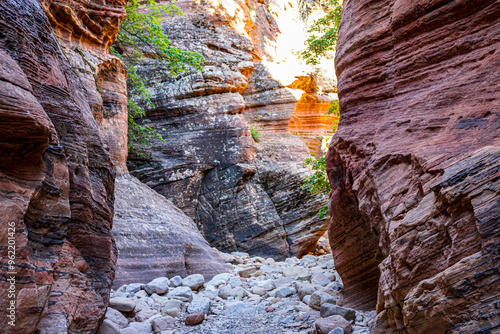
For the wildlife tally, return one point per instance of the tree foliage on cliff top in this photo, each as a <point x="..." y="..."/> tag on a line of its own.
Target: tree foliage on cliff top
<point x="141" y="35"/>
<point x="323" y="33"/>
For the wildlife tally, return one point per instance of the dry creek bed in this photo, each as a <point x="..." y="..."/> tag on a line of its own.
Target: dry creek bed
<point x="258" y="296"/>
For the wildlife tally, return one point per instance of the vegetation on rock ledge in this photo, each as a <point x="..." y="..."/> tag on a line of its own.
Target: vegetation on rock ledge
<point x="322" y="40"/>
<point x="141" y="36"/>
<point x="255" y="133"/>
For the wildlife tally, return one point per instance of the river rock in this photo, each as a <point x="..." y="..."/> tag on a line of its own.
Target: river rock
<point x="129" y="330"/>
<point x="172" y="308"/>
<point x="319" y="298"/>
<point x="267" y="285"/>
<point x="133" y="287"/>
<point x="246" y="272"/>
<point x="199" y="303"/>
<point x="304" y="289"/>
<point x="338" y="330"/>
<point x="122" y="304"/>
<point x="283" y="292"/>
<point x="325" y="325"/>
<point x="195" y="318"/>
<point x="175" y="281"/>
<point x="182" y="293"/>
<point x="320" y="279"/>
<point x="116" y="317"/>
<point x="194" y="282"/>
<point x="145" y="315"/>
<point x="226" y="291"/>
<point x="258" y="291"/>
<point x="328" y="309"/>
<point x="160" y="324"/>
<point x="158" y="285"/>
<point x="141" y="327"/>
<point x="109" y="327"/>
<point x="296" y="273"/>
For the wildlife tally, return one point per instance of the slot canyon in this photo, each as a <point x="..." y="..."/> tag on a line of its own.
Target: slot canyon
<point x="358" y="193"/>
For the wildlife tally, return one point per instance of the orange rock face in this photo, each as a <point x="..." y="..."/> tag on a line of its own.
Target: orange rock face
<point x="92" y="24"/>
<point x="309" y="121"/>
<point x="414" y="166"/>
<point x="56" y="175"/>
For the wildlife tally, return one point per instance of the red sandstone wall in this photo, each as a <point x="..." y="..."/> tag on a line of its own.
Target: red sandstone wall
<point x="56" y="173"/>
<point x="415" y="164"/>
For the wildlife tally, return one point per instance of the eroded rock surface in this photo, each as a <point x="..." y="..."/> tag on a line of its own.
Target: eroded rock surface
<point x="415" y="164"/>
<point x="243" y="195"/>
<point x="57" y="176"/>
<point x="155" y="238"/>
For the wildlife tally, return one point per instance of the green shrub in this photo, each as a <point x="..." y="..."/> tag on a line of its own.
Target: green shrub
<point x="317" y="183"/>
<point x="255" y="133"/>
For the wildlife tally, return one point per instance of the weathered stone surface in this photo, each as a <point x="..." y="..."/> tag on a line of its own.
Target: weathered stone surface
<point x="116" y="317"/>
<point x="325" y="325"/>
<point x="163" y="323"/>
<point x="296" y="273"/>
<point x="122" y="304"/>
<point x="108" y="327"/>
<point x="319" y="298"/>
<point x="181" y="293"/>
<point x="243" y="195"/>
<point x="194" y="281"/>
<point x="158" y="285"/>
<point x="129" y="330"/>
<point x="155" y="238"/>
<point x="57" y="175"/>
<point x="199" y="303"/>
<point x="145" y="314"/>
<point x="91" y="24"/>
<point x="414" y="165"/>
<point x="195" y="318"/>
<point x="327" y="310"/>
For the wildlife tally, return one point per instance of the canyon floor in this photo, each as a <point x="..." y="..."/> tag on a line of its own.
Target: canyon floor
<point x="257" y="296"/>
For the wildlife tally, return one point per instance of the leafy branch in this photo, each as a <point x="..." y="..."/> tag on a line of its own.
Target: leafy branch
<point x="323" y="34"/>
<point x="140" y="36"/>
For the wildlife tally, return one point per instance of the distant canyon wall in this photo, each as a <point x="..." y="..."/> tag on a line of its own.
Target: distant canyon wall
<point x="244" y="195"/>
<point x="414" y="166"/>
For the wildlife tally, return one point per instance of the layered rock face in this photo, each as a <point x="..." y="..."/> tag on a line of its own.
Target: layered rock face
<point x="57" y="176"/>
<point x="415" y="164"/>
<point x="156" y="239"/>
<point x="243" y="195"/>
<point x="309" y="121"/>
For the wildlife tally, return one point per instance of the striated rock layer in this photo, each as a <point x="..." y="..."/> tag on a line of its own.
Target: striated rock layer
<point x="56" y="174"/>
<point x="243" y="195"/>
<point x="309" y="121"/>
<point x="415" y="164"/>
<point x="156" y="239"/>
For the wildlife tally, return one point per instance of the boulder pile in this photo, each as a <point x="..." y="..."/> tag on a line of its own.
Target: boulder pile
<point x="258" y="296"/>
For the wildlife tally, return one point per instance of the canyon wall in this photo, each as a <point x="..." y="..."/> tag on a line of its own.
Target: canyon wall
<point x="156" y="239"/>
<point x="57" y="176"/>
<point x="153" y="238"/>
<point x="414" y="166"/>
<point x="243" y="195"/>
